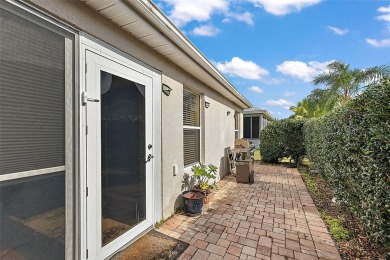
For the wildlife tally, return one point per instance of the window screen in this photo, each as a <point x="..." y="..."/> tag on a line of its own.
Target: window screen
<point x="247" y="127"/>
<point x="191" y="128"/>
<point x="255" y="127"/>
<point x="32" y="72"/>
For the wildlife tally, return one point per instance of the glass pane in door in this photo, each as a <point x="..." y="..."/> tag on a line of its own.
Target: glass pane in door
<point x="122" y="155"/>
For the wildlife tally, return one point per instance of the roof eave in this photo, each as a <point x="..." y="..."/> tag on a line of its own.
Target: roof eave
<point x="170" y="29"/>
<point x="130" y="14"/>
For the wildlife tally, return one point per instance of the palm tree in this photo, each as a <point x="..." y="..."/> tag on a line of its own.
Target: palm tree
<point x="317" y="103"/>
<point x="343" y="84"/>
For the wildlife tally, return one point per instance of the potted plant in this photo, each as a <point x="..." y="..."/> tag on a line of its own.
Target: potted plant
<point x="193" y="198"/>
<point x="204" y="175"/>
<point x="193" y="202"/>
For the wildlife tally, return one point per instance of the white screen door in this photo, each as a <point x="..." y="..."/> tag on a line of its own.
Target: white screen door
<point x="119" y="151"/>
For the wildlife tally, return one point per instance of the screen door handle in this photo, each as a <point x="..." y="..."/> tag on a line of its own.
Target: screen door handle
<point x="85" y="98"/>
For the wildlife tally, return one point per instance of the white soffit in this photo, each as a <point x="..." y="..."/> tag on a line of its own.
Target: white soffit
<point x="143" y="20"/>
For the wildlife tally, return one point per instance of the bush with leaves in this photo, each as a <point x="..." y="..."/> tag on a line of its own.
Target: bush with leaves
<point x="282" y="138"/>
<point x="204" y="175"/>
<point x="350" y="148"/>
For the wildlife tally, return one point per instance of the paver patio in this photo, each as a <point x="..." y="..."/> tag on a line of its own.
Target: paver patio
<point x="274" y="218"/>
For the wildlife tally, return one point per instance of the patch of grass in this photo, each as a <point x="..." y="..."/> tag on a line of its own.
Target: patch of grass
<point x="257" y="155"/>
<point x="309" y="181"/>
<point x="158" y="224"/>
<point x="336" y="228"/>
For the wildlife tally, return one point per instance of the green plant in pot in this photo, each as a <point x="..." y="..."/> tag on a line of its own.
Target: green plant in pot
<point x="193" y="198"/>
<point x="204" y="176"/>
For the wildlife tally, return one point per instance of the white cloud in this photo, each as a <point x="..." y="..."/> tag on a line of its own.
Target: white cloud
<point x="256" y="89"/>
<point x="227" y="20"/>
<point x="286" y="104"/>
<point x="384" y="9"/>
<point x="241" y="68"/>
<point x="378" y="43"/>
<point x="289" y="93"/>
<point x="272" y="81"/>
<point x="185" y="11"/>
<point x="282" y="7"/>
<point x="201" y="10"/>
<point x="246" y="17"/>
<point x="205" y="30"/>
<point x="301" y="70"/>
<point x="386" y="16"/>
<point x="337" y="30"/>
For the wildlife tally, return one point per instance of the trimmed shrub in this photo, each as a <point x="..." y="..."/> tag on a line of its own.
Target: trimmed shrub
<point x="350" y="148"/>
<point x="282" y="138"/>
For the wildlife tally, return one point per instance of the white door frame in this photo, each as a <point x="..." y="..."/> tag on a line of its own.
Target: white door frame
<point x="88" y="43"/>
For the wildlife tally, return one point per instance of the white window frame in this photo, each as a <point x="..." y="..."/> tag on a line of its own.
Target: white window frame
<point x="199" y="128"/>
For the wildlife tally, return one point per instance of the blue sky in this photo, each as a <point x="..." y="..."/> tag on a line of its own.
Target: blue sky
<point x="270" y="49"/>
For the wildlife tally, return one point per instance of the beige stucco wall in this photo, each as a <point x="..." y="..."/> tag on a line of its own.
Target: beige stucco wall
<point x="219" y="134"/>
<point x="217" y="127"/>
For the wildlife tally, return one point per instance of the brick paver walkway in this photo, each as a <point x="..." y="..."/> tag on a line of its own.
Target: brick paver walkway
<point x="274" y="218"/>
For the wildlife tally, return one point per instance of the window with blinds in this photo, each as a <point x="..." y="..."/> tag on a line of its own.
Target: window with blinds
<point x="36" y="68"/>
<point x="191" y="127"/>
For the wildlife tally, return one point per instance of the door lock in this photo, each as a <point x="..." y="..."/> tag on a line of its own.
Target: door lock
<point x="149" y="158"/>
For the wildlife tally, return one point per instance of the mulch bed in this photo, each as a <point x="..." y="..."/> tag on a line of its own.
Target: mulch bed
<point x="359" y="246"/>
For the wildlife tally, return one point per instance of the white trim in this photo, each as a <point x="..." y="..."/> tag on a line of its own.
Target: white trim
<point x="69" y="138"/>
<point x="192" y="127"/>
<point x="18" y="175"/>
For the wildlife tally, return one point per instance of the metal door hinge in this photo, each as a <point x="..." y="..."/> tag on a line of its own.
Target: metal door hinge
<point x="86" y="130"/>
<point x="149" y="158"/>
<point x="86" y="67"/>
<point x="87" y="192"/>
<point x="85" y="98"/>
<point x="87" y="253"/>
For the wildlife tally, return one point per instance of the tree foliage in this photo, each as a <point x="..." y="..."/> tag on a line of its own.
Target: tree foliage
<point x="350" y="148"/>
<point x="282" y="138"/>
<point x="342" y="85"/>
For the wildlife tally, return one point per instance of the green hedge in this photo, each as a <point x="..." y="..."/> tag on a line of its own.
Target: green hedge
<point x="350" y="148"/>
<point x="282" y="138"/>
